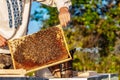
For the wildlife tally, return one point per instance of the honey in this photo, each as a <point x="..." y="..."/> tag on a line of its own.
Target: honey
<point x="39" y="49"/>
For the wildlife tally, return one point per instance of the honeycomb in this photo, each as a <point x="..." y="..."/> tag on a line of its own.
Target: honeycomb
<point x="39" y="49"/>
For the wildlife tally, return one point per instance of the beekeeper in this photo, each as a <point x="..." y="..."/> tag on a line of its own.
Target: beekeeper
<point x="14" y="17"/>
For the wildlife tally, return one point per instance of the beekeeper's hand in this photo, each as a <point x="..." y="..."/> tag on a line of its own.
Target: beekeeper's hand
<point x="3" y="41"/>
<point x="64" y="16"/>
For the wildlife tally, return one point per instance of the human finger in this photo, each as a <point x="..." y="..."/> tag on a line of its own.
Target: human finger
<point x="64" y="16"/>
<point x="3" y="41"/>
<point x="64" y="20"/>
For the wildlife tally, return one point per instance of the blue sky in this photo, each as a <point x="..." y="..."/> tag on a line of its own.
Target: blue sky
<point x="34" y="25"/>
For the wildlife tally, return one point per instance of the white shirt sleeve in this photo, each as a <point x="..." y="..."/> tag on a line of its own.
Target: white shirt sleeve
<point x="56" y="3"/>
<point x="62" y="3"/>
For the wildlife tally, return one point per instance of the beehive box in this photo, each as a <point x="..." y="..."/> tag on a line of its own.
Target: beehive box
<point x="39" y="50"/>
<point x="12" y="73"/>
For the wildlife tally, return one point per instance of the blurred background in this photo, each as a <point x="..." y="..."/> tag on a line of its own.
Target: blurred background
<point x="94" y="31"/>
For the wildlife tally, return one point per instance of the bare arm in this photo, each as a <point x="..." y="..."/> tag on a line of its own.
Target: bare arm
<point x="62" y="6"/>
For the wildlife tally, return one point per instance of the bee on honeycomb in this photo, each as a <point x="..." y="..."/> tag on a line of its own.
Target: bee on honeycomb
<point x="39" y="49"/>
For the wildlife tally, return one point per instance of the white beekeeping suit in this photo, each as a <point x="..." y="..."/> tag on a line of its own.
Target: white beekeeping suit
<point x="14" y="17"/>
<point x="10" y="26"/>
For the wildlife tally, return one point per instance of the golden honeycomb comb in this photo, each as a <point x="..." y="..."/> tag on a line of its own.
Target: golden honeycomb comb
<point x="40" y="50"/>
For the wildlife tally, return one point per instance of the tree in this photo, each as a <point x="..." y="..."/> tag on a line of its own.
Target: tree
<point x="95" y="24"/>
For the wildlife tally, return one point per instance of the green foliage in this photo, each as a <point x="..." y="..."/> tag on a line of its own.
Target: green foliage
<point x="53" y="20"/>
<point x="92" y="30"/>
<point x="83" y="62"/>
<point x="30" y="74"/>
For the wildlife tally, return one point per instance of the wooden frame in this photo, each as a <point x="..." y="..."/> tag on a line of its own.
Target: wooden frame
<point x="12" y="72"/>
<point x="47" y="65"/>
